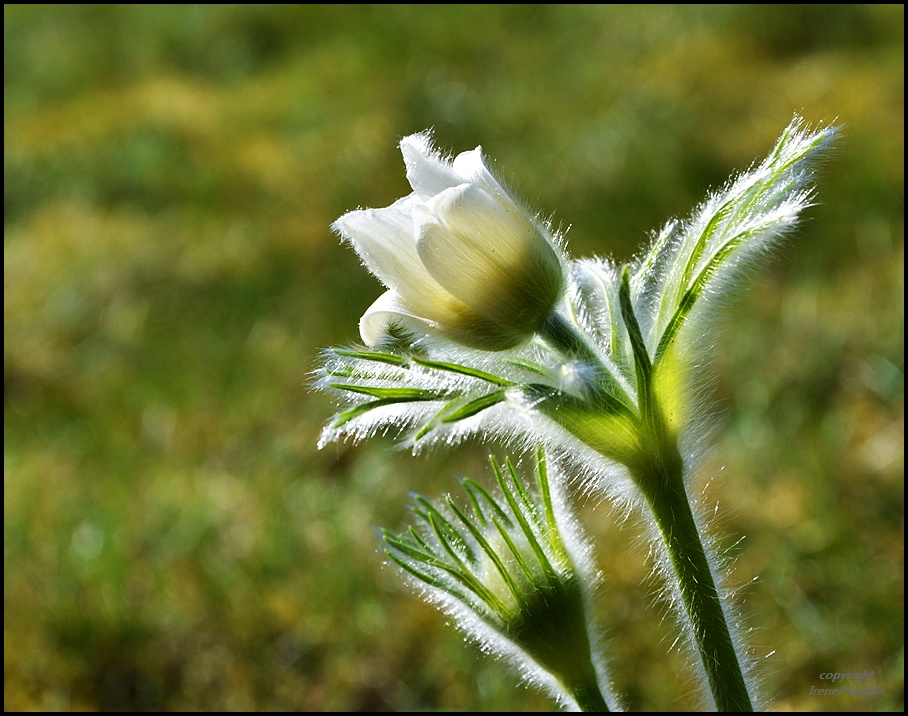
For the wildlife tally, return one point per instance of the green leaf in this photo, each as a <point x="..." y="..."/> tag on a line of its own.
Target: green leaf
<point x="421" y="576"/>
<point x="553" y="534"/>
<point x="347" y="415"/>
<point x="706" y="236"/>
<point x="520" y="516"/>
<point x="529" y="507"/>
<point x="515" y="552"/>
<point x="455" y="571"/>
<point x="463" y="370"/>
<point x="399" y="394"/>
<point x="642" y="364"/>
<point x="454" y="411"/>
<point x="490" y="553"/>
<point x="447" y="534"/>
<point x="414" y="549"/>
<point x="529" y="366"/>
<point x="389" y="358"/>
<point x="474" y="406"/>
<point x="687" y="302"/>
<point x="472" y="486"/>
<point x="596" y="279"/>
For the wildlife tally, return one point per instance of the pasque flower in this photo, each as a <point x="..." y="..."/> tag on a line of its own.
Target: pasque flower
<point x="459" y="257"/>
<point x="614" y="388"/>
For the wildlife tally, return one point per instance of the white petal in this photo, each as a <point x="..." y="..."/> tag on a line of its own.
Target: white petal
<point x="472" y="169"/>
<point x="502" y="268"/>
<point x="387" y="311"/>
<point x="384" y="240"/>
<point x="465" y="238"/>
<point x="427" y="171"/>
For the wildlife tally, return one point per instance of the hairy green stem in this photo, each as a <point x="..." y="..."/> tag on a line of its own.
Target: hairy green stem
<point x="659" y="473"/>
<point x="662" y="484"/>
<point x="564" y="337"/>
<point x="589" y="698"/>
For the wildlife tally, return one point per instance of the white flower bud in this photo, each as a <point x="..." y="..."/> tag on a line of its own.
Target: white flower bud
<point x="458" y="256"/>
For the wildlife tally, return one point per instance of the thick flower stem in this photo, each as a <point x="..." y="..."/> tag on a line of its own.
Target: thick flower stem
<point x="658" y="471"/>
<point x="589" y="698"/>
<point x="662" y="484"/>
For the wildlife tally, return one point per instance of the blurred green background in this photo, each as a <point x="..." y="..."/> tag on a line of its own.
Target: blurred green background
<point x="172" y="537"/>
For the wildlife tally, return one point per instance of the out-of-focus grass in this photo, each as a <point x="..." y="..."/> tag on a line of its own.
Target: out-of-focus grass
<point x="173" y="540"/>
